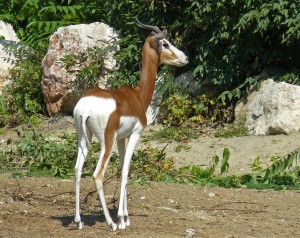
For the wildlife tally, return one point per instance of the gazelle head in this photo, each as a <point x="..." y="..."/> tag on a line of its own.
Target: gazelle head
<point x="169" y="54"/>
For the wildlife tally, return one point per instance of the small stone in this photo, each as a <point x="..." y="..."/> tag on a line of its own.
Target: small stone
<point x="189" y="233"/>
<point x="211" y="195"/>
<point x="171" y="201"/>
<point x="149" y="206"/>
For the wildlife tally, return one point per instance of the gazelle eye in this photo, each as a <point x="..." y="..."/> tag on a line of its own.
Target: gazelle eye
<point x="166" y="45"/>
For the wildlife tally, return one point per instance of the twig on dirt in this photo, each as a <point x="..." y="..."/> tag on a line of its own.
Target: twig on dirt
<point x="163" y="150"/>
<point x="233" y="209"/>
<point x="111" y="178"/>
<point x="60" y="194"/>
<point x="229" y="203"/>
<point x="87" y="195"/>
<point x="42" y="197"/>
<point x="14" y="176"/>
<point x="107" y="181"/>
<point x="114" y="196"/>
<point x="39" y="197"/>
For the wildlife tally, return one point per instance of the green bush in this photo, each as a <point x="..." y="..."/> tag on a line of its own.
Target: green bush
<point x="183" y="110"/>
<point x="240" y="38"/>
<point x="22" y="99"/>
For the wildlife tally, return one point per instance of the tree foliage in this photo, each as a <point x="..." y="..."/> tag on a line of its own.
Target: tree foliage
<point x="239" y="39"/>
<point x="229" y="43"/>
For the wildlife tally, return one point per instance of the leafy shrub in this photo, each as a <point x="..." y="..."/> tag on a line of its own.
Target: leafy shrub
<point x="22" y="97"/>
<point x="240" y="38"/>
<point x="199" y="175"/>
<point x="176" y="110"/>
<point x="92" y="63"/>
<point x="151" y="164"/>
<point x="292" y="77"/>
<point x="193" y="112"/>
<point x="44" y="156"/>
<point x="282" y="171"/>
<point x="5" y="113"/>
<point x="38" y="155"/>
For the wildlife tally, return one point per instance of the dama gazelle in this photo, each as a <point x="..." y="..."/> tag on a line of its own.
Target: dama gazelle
<point x="119" y="114"/>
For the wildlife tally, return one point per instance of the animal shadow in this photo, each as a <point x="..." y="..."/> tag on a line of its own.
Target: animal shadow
<point x="88" y="219"/>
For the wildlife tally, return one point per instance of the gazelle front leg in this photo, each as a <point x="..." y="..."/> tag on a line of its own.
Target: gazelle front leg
<point x="123" y="211"/>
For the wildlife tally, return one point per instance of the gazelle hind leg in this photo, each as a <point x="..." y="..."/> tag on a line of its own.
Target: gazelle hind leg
<point x="122" y="151"/>
<point x="99" y="176"/>
<point x="83" y="144"/>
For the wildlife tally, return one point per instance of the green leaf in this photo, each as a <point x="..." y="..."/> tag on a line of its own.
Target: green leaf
<point x="224" y="162"/>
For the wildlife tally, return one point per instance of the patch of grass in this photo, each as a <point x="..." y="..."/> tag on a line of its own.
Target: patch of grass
<point x="172" y="133"/>
<point x="182" y="146"/>
<point x="237" y="129"/>
<point x="2" y="130"/>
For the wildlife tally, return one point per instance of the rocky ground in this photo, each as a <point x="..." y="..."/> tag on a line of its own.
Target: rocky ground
<point x="44" y="207"/>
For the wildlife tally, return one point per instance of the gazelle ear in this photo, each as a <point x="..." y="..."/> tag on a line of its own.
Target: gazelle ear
<point x="161" y="35"/>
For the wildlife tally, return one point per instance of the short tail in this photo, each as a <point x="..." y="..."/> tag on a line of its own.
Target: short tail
<point x="84" y="118"/>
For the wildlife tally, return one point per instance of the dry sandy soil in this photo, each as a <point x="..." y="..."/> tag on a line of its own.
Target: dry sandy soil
<point x="44" y="207"/>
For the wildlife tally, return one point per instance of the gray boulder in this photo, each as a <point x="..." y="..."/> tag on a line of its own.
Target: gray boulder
<point x="8" y="41"/>
<point x="60" y="96"/>
<point x="273" y="109"/>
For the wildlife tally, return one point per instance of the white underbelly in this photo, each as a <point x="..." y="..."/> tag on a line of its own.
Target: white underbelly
<point x="129" y="125"/>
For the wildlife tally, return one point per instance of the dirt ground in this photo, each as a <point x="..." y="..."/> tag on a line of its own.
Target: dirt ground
<point x="44" y="207"/>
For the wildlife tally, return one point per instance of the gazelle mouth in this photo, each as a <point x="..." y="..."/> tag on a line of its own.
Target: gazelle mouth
<point x="180" y="63"/>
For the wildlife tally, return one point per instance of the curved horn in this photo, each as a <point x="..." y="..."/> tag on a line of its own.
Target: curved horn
<point x="161" y="35"/>
<point x="148" y="27"/>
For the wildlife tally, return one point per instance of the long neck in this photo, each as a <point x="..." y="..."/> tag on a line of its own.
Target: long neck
<point x="150" y="62"/>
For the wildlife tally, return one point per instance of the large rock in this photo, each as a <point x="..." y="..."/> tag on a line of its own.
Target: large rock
<point x="59" y="96"/>
<point x="273" y="109"/>
<point x="8" y="40"/>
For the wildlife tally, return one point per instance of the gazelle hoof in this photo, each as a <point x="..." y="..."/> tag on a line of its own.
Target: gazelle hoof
<point x="113" y="227"/>
<point x="122" y="226"/>
<point x="79" y="225"/>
